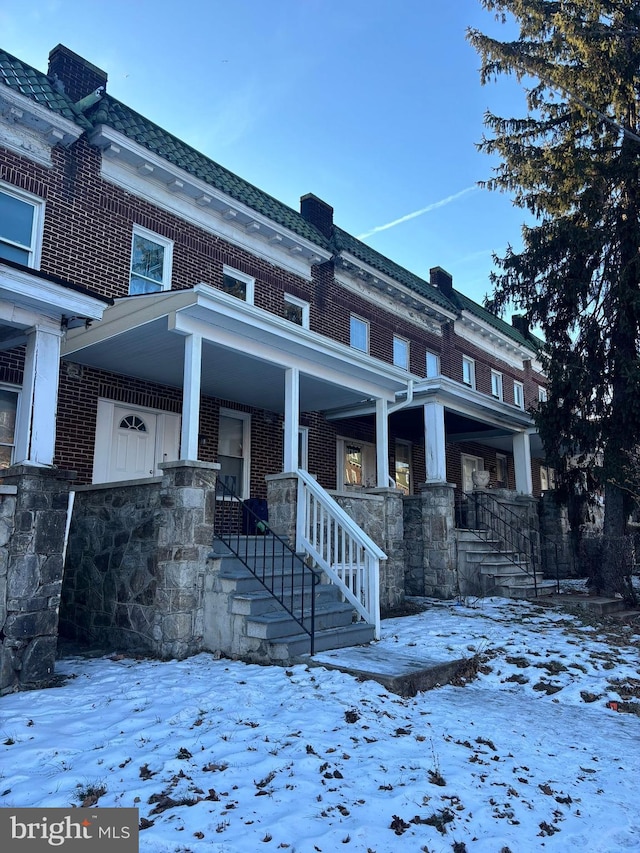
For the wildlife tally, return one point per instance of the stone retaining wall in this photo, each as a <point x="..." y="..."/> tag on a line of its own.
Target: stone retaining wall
<point x="33" y="518"/>
<point x="136" y="562"/>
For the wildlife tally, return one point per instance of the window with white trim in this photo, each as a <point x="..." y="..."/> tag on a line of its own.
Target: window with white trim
<point x="542" y="394"/>
<point x="234" y="442"/>
<point x="359" y="333"/>
<point x="432" y="365"/>
<point x="468" y="371"/>
<point x="403" y="467"/>
<point x="356" y="463"/>
<point x="21" y="218"/>
<point x="296" y="310"/>
<point x="496" y="384"/>
<point x="238" y="284"/>
<point x="151" y="259"/>
<point x="547" y="478"/>
<point x="401" y="352"/>
<point x="518" y="394"/>
<point x="8" y="416"/>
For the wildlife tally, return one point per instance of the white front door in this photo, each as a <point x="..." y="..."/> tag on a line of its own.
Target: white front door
<point x="130" y="442"/>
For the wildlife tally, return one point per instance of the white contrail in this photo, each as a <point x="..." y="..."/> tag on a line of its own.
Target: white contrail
<point x="433" y="206"/>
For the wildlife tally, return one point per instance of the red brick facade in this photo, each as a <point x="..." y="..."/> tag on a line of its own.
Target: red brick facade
<point x="87" y="240"/>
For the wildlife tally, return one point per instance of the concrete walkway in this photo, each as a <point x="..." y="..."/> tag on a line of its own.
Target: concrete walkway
<point x="400" y="673"/>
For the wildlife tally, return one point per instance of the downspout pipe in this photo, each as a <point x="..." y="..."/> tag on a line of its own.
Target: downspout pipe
<point x="402" y="404"/>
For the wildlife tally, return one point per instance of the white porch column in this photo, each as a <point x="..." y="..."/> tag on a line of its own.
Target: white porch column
<point x="191" y="397"/>
<point x="36" y="426"/>
<point x="522" y="463"/>
<point x="382" y="444"/>
<point x="291" y="418"/>
<point x="434" y="441"/>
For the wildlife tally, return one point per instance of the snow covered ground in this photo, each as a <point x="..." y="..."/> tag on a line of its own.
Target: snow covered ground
<point x="224" y="756"/>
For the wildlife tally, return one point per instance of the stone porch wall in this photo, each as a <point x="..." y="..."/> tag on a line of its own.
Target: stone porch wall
<point x="378" y="512"/>
<point x="136" y="562"/>
<point x="33" y="517"/>
<point x="431" y="553"/>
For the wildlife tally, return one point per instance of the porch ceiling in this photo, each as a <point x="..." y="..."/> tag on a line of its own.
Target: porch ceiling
<point x="245" y="352"/>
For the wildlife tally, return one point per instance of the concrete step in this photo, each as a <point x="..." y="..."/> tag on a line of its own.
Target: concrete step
<point x="526" y="589"/>
<point x="277" y="625"/>
<point x="261" y="601"/>
<point x="601" y="604"/>
<point x="499" y="569"/>
<point x="356" y="634"/>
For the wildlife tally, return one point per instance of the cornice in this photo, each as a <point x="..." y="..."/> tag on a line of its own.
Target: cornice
<point x="140" y="171"/>
<point x="30" y="129"/>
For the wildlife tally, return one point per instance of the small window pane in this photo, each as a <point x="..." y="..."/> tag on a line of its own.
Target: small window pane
<point x="234" y="287"/>
<point x="401" y="353"/>
<point x="433" y="365"/>
<point x="16" y="220"/>
<point x="293" y="312"/>
<point x="230" y="436"/>
<point x="359" y="334"/>
<point x="148" y="260"/>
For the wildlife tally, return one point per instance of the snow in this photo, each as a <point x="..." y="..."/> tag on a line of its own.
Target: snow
<point x="219" y="755"/>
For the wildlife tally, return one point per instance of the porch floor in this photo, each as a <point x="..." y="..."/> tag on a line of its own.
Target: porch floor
<point x="400" y="673"/>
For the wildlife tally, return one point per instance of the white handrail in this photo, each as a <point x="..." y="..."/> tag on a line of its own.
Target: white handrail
<point x="344" y="552"/>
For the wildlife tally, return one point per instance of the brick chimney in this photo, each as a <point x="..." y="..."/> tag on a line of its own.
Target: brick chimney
<point x="520" y="324"/>
<point x="79" y="77"/>
<point x="318" y="213"/>
<point x="441" y="279"/>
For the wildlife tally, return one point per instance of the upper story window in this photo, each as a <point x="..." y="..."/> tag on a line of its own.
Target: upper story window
<point x="359" y="333"/>
<point x="8" y="415"/>
<point x="401" y="352"/>
<point x="518" y="394"/>
<point x="433" y="365"/>
<point x="20" y="227"/>
<point x="496" y="384"/>
<point x="542" y="394"/>
<point x="468" y="371"/>
<point x="296" y="310"/>
<point x="151" y="257"/>
<point x="238" y="284"/>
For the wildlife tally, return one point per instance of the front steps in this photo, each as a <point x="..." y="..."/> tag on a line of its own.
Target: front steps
<point x="486" y="570"/>
<point x="248" y="622"/>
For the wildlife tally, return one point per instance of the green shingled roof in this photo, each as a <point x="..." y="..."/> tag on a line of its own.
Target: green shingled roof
<point x="37" y="86"/>
<point x="344" y="242"/>
<point x="109" y="111"/>
<point x="118" y="116"/>
<point x="466" y="304"/>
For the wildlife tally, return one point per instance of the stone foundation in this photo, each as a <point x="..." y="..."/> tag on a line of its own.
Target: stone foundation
<point x="33" y="518"/>
<point x="137" y="560"/>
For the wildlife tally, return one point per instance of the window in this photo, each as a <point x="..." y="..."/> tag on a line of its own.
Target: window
<point x="359" y="334"/>
<point x="151" y="257"/>
<point x="20" y="227"/>
<point x="501" y="471"/>
<point x="357" y="463"/>
<point x="403" y="467"/>
<point x="8" y="415"/>
<point x="468" y="371"/>
<point x="296" y="310"/>
<point x="238" y="284"/>
<point x="542" y="394"/>
<point x="433" y="365"/>
<point x="518" y="394"/>
<point x="547" y="478"/>
<point x="496" y="384"/>
<point x="234" y="437"/>
<point x="401" y="352"/>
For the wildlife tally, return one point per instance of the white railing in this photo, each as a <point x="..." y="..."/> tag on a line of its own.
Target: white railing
<point x="344" y="552"/>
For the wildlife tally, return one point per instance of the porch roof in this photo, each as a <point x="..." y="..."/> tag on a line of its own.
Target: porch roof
<point x="29" y="298"/>
<point x="471" y="415"/>
<point x="245" y="352"/>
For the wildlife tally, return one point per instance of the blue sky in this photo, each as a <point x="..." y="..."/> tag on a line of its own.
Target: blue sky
<point x="373" y="105"/>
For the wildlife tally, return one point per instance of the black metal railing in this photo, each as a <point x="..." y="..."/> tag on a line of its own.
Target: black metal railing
<point x="241" y="526"/>
<point x="503" y="528"/>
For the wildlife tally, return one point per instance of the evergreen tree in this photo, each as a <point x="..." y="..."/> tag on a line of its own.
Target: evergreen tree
<point x="574" y="163"/>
